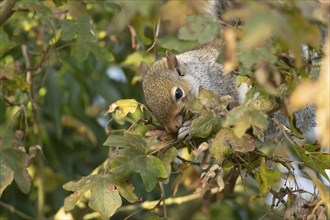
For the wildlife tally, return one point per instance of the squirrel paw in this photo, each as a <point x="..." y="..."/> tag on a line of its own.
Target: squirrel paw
<point x="184" y="131"/>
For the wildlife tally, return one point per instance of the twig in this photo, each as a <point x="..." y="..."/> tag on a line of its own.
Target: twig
<point x="37" y="132"/>
<point x="6" y="10"/>
<point x="16" y="211"/>
<point x="150" y="205"/>
<point x="154" y="44"/>
<point x="4" y="98"/>
<point x="162" y="191"/>
<point x="133" y="36"/>
<point x="188" y="161"/>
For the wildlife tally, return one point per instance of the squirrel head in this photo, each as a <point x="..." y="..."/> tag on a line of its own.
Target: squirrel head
<point x="164" y="91"/>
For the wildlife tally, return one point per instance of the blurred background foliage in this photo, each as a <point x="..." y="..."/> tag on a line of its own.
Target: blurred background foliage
<point x="64" y="62"/>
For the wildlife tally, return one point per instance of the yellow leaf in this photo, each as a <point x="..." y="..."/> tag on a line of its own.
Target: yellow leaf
<point x="122" y="107"/>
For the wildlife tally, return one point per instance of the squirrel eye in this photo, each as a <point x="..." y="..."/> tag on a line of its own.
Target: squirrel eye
<point x="177" y="93"/>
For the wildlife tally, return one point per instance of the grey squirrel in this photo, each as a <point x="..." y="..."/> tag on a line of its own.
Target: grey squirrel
<point x="171" y="79"/>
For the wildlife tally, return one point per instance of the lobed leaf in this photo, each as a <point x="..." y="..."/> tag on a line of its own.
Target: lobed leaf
<point x="105" y="198"/>
<point x="134" y="142"/>
<point x="205" y="124"/>
<point x="13" y="160"/>
<point x="149" y="167"/>
<point x="316" y="160"/>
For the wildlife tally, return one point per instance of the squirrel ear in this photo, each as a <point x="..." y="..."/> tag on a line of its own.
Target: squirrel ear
<point x="172" y="61"/>
<point x="144" y="68"/>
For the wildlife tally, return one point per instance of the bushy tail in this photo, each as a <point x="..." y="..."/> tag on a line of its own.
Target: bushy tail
<point x="219" y="7"/>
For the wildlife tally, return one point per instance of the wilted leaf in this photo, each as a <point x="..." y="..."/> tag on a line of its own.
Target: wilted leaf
<point x="201" y="148"/>
<point x="225" y="141"/>
<point x="266" y="178"/>
<point x="243" y="118"/>
<point x="205" y="124"/>
<point x="105" y="198"/>
<point x="13" y="160"/>
<point x="211" y="177"/>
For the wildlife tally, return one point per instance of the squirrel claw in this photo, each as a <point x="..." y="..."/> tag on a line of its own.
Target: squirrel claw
<point x="184" y="131"/>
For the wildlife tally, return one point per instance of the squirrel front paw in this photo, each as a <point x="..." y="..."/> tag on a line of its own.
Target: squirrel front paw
<point x="184" y="131"/>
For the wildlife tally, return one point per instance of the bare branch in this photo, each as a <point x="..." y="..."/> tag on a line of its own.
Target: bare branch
<point x="6" y="10"/>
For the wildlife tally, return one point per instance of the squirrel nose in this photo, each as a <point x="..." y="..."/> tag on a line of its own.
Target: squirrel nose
<point x="174" y="125"/>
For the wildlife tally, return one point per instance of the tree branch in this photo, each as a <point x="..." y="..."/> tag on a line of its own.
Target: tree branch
<point x="6" y="10"/>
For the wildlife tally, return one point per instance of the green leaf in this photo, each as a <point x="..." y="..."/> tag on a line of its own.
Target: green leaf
<point x="105" y="198"/>
<point x="134" y="142"/>
<point x="68" y="29"/>
<point x="205" y="124"/>
<point x="242" y="118"/>
<point x="198" y="28"/>
<point x="80" y="50"/>
<point x="167" y="157"/>
<point x="149" y="167"/>
<point x="318" y="161"/>
<point x="52" y="103"/>
<point x="36" y="6"/>
<point x="6" y="177"/>
<point x="82" y="29"/>
<point x="14" y="160"/>
<point x="127" y="191"/>
<point x="79" y="188"/>
<point x="266" y="178"/>
<point x="251" y="57"/>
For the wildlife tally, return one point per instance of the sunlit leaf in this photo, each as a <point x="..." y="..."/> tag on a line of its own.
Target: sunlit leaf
<point x="123" y="107"/>
<point x="105" y="198"/>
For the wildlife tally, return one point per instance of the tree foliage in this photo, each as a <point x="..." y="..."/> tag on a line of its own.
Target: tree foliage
<point x="71" y="156"/>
